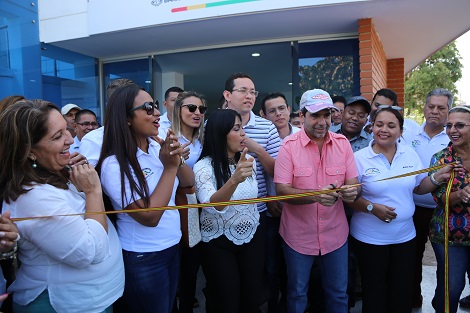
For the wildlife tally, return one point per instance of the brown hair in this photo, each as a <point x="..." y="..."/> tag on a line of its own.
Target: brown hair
<point x="22" y="126"/>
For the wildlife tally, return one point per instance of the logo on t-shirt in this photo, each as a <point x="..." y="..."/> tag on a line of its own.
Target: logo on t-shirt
<point x="147" y="172"/>
<point x="372" y="171"/>
<point x="415" y="143"/>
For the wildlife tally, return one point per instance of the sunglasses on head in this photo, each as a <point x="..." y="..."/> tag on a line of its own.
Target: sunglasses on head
<point x="149" y="107"/>
<point x="192" y="108"/>
<point x="394" y="107"/>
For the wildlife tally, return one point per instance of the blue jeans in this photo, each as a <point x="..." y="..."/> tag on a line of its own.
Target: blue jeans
<point x="459" y="264"/>
<point x="334" y="271"/>
<point x="151" y="280"/>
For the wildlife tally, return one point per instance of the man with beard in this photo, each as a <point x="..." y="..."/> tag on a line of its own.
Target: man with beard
<point x="315" y="227"/>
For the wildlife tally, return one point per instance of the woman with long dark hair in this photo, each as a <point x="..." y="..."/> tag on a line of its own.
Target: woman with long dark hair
<point x="232" y="247"/>
<point x="139" y="170"/>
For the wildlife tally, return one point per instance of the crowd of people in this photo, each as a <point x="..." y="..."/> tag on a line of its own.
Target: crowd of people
<point x="62" y="172"/>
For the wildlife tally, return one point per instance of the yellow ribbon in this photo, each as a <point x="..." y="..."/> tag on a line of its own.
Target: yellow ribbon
<point x="236" y="202"/>
<point x="446" y="244"/>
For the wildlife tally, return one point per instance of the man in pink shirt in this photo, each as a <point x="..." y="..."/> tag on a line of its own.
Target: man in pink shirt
<point x="312" y="159"/>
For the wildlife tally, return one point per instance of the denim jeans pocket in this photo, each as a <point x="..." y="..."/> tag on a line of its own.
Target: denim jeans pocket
<point x="135" y="258"/>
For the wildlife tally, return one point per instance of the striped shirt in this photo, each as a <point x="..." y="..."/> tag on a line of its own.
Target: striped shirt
<point x="265" y="134"/>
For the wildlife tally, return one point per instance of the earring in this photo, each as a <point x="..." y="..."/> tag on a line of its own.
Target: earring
<point x="34" y="163"/>
<point x="399" y="140"/>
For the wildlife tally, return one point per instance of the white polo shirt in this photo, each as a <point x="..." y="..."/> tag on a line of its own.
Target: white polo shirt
<point x="425" y="147"/>
<point x="165" y="124"/>
<point x="133" y="235"/>
<point x="398" y="194"/>
<point x="90" y="146"/>
<point x="195" y="149"/>
<point x="75" y="146"/>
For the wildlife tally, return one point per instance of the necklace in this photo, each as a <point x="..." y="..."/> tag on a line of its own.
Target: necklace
<point x="231" y="161"/>
<point x="375" y="148"/>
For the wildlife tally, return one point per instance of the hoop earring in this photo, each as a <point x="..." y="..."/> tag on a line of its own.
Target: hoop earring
<point x="34" y="163"/>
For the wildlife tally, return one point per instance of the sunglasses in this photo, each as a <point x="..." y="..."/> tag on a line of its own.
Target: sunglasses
<point x="192" y="108"/>
<point x="394" y="107"/>
<point x="458" y="126"/>
<point x="149" y="107"/>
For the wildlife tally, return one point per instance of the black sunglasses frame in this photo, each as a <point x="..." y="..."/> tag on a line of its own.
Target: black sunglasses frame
<point x="192" y="108"/>
<point x="148" y="106"/>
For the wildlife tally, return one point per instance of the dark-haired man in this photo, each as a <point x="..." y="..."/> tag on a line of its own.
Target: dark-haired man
<point x="296" y="119"/>
<point x="352" y="124"/>
<point x="337" y="115"/>
<point x="274" y="107"/>
<point x="85" y="122"/>
<point x="262" y="137"/>
<point x="388" y="97"/>
<point x="315" y="227"/>
<point x="170" y="97"/>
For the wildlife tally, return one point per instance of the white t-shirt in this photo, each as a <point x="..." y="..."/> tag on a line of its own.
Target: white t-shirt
<point x="398" y="194"/>
<point x="73" y="258"/>
<point x="90" y="146"/>
<point x="237" y="222"/>
<point x="195" y="149"/>
<point x="133" y="235"/>
<point x="425" y="147"/>
<point x="165" y="124"/>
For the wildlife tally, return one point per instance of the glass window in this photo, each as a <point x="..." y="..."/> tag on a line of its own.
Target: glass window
<point x="4" y="47"/>
<point x="329" y="65"/>
<point x="139" y="71"/>
<point x="20" y="56"/>
<point x="70" y="77"/>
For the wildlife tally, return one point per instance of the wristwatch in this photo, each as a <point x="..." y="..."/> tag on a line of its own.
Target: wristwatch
<point x="370" y="207"/>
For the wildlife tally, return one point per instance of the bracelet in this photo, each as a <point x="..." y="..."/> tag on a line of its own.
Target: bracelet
<point x="10" y="254"/>
<point x="434" y="181"/>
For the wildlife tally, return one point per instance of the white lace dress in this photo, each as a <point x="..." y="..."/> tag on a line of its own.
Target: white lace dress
<point x="237" y="222"/>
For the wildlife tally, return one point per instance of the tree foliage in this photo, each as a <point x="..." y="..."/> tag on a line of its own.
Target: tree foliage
<point x="441" y="70"/>
<point x="333" y="74"/>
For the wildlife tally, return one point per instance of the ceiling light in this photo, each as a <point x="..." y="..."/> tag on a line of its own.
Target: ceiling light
<point x="256" y="54"/>
<point x="290" y="84"/>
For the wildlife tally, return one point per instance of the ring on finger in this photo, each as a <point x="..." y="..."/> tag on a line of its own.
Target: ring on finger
<point x="387" y="220"/>
<point x="182" y="161"/>
<point x="18" y="237"/>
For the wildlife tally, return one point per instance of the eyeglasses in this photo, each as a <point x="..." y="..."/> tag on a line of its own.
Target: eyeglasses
<point x="394" y="107"/>
<point x="149" y="107"/>
<point x="192" y="108"/>
<point x="281" y="109"/>
<point x="458" y="126"/>
<point x="87" y="124"/>
<point x="253" y="93"/>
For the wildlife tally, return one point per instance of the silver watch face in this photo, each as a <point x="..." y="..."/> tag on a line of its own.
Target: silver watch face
<point x="370" y="206"/>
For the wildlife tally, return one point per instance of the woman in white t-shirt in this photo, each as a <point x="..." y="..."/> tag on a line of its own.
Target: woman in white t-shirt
<point x="138" y="172"/>
<point x="382" y="225"/>
<point x="68" y="263"/>
<point x="232" y="247"/>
